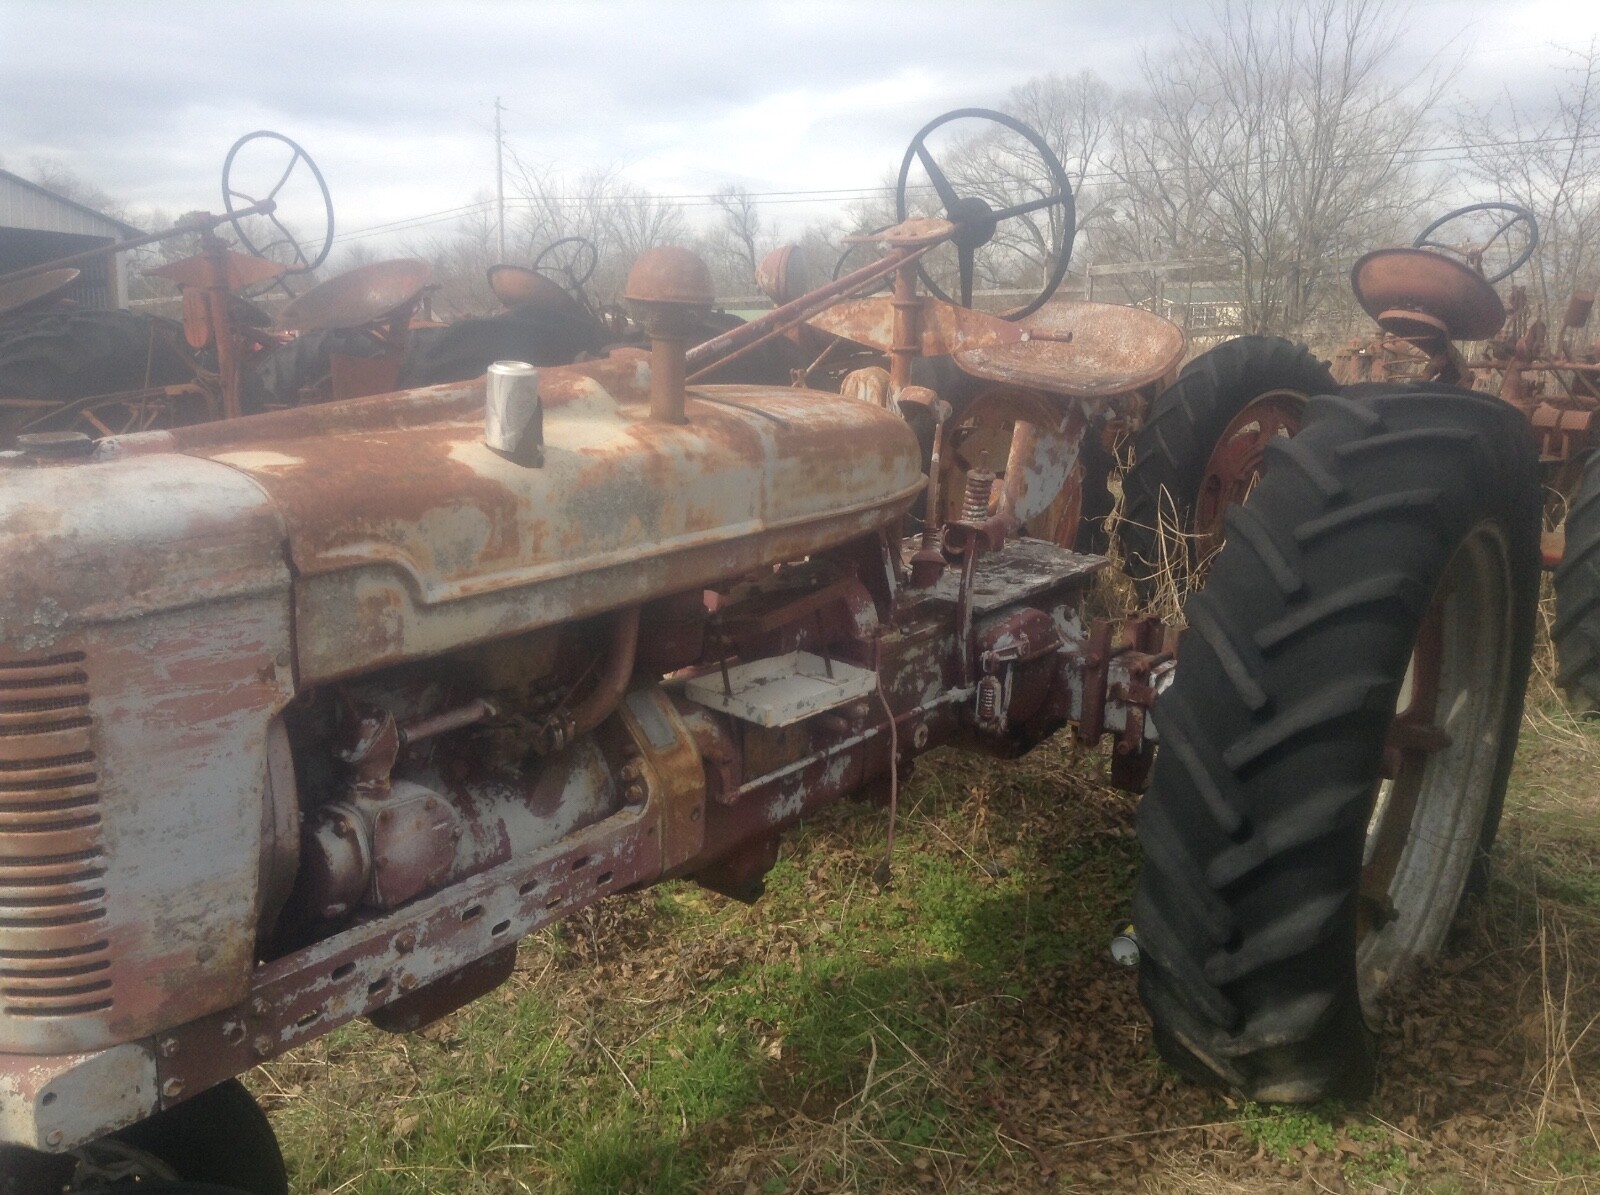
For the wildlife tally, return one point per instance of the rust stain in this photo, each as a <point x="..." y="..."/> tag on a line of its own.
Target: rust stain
<point x="1082" y="349"/>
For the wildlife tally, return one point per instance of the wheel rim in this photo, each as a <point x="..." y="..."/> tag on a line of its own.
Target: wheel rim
<point x="1235" y="464"/>
<point x="1441" y="758"/>
<point x="108" y="1162"/>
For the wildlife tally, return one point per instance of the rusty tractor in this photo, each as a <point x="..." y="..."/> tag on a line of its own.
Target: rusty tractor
<point x="1202" y="449"/>
<point x="107" y="373"/>
<point x="310" y="715"/>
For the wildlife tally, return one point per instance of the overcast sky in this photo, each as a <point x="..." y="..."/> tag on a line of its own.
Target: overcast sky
<point x="395" y="100"/>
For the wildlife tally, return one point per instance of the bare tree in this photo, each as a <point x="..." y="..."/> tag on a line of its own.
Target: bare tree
<point x="620" y="219"/>
<point x="1547" y="160"/>
<point x="1077" y="116"/>
<point x="460" y="261"/>
<point x="1277" y="138"/>
<point x="57" y="177"/>
<point x="735" y="247"/>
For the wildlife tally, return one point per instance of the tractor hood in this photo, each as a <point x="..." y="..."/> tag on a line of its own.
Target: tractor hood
<point x="408" y="536"/>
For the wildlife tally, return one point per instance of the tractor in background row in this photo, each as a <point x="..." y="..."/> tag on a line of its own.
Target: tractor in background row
<point x="1201" y="449"/>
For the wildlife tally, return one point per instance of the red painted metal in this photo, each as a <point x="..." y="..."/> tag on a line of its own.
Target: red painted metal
<point x="1425" y="302"/>
<point x="1235" y="464"/>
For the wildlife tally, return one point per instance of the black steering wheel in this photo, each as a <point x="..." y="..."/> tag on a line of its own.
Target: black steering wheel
<point x="976" y="221"/>
<point x="299" y="263"/>
<point x="575" y="252"/>
<point x="1473" y="253"/>
<point x="854" y="250"/>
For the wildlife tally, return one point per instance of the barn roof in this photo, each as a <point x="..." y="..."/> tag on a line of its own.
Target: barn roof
<point x="25" y="204"/>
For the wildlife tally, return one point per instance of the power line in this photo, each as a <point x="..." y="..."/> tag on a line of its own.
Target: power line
<point x="1456" y="152"/>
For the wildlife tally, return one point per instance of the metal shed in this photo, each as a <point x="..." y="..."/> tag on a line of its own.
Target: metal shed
<point x="37" y="225"/>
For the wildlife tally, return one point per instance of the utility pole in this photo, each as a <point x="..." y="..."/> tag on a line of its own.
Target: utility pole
<point x="500" y="175"/>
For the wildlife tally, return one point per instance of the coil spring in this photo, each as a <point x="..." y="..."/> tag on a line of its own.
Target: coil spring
<point x="975" y="502"/>
<point x="988" y="700"/>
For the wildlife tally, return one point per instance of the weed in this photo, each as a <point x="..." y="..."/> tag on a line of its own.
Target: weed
<point x="963" y="1030"/>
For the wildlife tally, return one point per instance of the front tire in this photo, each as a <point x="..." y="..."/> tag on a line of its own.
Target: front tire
<point x="1577" y="628"/>
<point x="1371" y="613"/>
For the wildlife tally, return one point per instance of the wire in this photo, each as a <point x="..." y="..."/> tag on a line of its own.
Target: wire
<point x="1455" y="152"/>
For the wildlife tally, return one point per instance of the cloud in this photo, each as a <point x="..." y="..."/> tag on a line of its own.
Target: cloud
<point x="395" y="100"/>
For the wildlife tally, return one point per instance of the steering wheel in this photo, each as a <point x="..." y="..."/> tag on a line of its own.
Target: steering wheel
<point x="976" y="221"/>
<point x="1473" y="254"/>
<point x="300" y="263"/>
<point x="853" y="251"/>
<point x="576" y="251"/>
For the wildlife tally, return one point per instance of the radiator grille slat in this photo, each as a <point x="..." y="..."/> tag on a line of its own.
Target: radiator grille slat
<point x="54" y="960"/>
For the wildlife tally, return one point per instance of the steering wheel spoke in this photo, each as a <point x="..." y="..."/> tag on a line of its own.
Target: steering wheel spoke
<point x="966" y="257"/>
<point x="576" y="263"/>
<point x="284" y="177"/>
<point x="1023" y="209"/>
<point x="941" y="184"/>
<point x="977" y="221"/>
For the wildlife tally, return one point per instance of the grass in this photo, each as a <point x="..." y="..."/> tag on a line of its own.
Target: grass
<point x="965" y="1029"/>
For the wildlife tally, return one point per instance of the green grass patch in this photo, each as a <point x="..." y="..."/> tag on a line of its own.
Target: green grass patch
<point x="858" y="1007"/>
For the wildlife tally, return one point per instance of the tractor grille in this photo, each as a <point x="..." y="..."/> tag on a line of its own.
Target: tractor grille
<point x="54" y="958"/>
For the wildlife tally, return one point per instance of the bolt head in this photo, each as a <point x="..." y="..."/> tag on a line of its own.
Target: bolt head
<point x="262" y="1045"/>
<point x="172" y="1089"/>
<point x="167" y="1047"/>
<point x="54" y="1137"/>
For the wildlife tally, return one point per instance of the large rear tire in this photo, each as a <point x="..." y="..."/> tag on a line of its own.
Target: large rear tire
<point x="1201" y="447"/>
<point x="1577" y="628"/>
<point x="1371" y="615"/>
<point x="55" y="358"/>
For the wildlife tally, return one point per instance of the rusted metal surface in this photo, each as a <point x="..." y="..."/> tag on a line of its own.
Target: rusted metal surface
<point x="784" y="275"/>
<point x="736" y="341"/>
<point x="240" y="271"/>
<point x="1425" y="302"/>
<point x="1393" y="283"/>
<point x="1235" y="464"/>
<point x="669" y="291"/>
<point x="438" y="541"/>
<point x="177" y="561"/>
<point x="670" y="275"/>
<point x="19" y="295"/>
<point x="52" y="1103"/>
<point x="614" y="675"/>
<point x="201" y="222"/>
<point x="518" y="286"/>
<point x="916" y="233"/>
<point x="370" y="294"/>
<point x="1043" y="455"/>
<point x="1084" y="350"/>
<point x="943" y="328"/>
